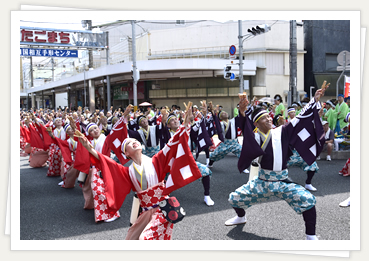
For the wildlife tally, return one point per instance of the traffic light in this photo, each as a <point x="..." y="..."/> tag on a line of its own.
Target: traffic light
<point x="227" y="72"/>
<point x="259" y="29"/>
<point x="135" y="75"/>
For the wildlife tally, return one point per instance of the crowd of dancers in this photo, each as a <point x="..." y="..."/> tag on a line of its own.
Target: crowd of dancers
<point x="161" y="148"/>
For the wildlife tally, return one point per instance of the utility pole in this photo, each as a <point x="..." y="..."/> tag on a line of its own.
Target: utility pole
<point x="134" y="69"/>
<point x="108" y="77"/>
<point x="31" y="71"/>
<point x="240" y="53"/>
<point x="292" y="97"/>
<point x="90" y="54"/>
<point x="52" y="68"/>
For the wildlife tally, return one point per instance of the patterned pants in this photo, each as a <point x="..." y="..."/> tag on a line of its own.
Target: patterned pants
<point x="150" y="151"/>
<point x="100" y="202"/>
<point x="66" y="166"/>
<point x="205" y="171"/>
<point x="56" y="167"/>
<point x="224" y="148"/>
<point x="52" y="149"/>
<point x="159" y="228"/>
<point x="296" y="160"/>
<point x="346" y="169"/>
<point x="257" y="191"/>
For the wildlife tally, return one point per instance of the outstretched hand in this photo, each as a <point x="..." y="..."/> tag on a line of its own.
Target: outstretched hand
<point x="128" y="110"/>
<point x="85" y="143"/>
<point x="188" y="114"/>
<point x="320" y="93"/>
<point x="243" y="103"/>
<point x="203" y="107"/>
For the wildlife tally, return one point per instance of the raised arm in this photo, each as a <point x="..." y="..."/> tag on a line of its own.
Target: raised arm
<point x="85" y="143"/>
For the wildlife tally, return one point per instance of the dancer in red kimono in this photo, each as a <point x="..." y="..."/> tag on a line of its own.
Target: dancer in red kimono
<point x="68" y="149"/>
<point x="147" y="176"/>
<point x="38" y="156"/>
<point x="96" y="181"/>
<point x="55" y="155"/>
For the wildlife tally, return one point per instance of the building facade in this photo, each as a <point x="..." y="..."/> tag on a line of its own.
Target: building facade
<point x="179" y="62"/>
<point x="324" y="40"/>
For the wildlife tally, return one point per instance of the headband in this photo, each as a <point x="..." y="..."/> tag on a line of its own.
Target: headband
<point x="291" y="110"/>
<point x="66" y="127"/>
<point x="140" y="118"/>
<point x="89" y="126"/>
<point x="220" y="113"/>
<point x="295" y="104"/>
<point x="57" y="119"/>
<point x="124" y="143"/>
<point x="260" y="114"/>
<point x="330" y="103"/>
<point x="264" y="104"/>
<point x="170" y="117"/>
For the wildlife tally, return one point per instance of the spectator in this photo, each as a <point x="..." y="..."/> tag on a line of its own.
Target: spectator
<point x="342" y="110"/>
<point x="297" y="107"/>
<point x="346" y="169"/>
<point x="280" y="107"/>
<point x="343" y="136"/>
<point x="329" y="138"/>
<point x="150" y="111"/>
<point x="291" y="111"/>
<point x="235" y="111"/>
<point x="347" y="100"/>
<point x="330" y="115"/>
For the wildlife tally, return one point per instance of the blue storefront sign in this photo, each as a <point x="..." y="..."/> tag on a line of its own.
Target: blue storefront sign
<point x="48" y="52"/>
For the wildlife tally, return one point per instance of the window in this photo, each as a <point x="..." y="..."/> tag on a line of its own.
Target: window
<point x="331" y="62"/>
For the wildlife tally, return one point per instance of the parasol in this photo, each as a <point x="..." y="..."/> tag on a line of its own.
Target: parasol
<point x="145" y="104"/>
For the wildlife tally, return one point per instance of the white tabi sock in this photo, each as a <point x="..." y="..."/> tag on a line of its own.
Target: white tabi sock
<point x="208" y="201"/>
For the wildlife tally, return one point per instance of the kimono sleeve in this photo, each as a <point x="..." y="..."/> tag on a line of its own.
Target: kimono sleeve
<point x="82" y="159"/>
<point x="135" y="135"/>
<point x="35" y="139"/>
<point x="177" y="160"/>
<point x="64" y="147"/>
<point x="116" y="179"/>
<point x="47" y="138"/>
<point x="306" y="133"/>
<point x="218" y="128"/>
<point x="250" y="147"/>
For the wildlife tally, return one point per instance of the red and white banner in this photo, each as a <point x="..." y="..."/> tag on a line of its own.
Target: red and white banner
<point x="347" y="86"/>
